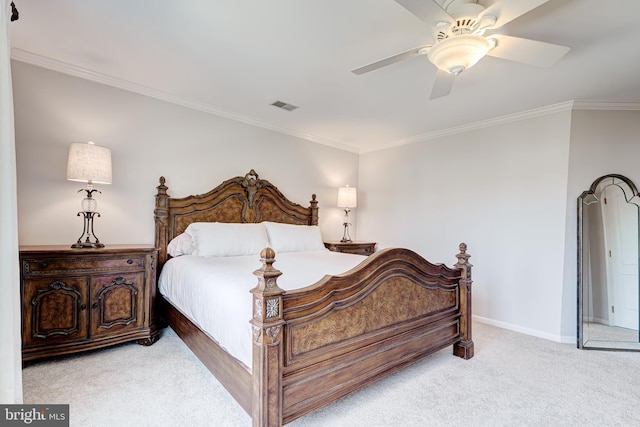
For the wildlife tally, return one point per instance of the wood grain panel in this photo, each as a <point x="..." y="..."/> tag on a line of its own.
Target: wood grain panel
<point x="369" y="313"/>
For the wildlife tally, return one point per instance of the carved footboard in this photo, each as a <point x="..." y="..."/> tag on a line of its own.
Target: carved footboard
<point x="314" y="345"/>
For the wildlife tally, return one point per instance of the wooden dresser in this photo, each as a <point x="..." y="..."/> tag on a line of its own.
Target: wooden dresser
<point x="361" y="248"/>
<point x="83" y="299"/>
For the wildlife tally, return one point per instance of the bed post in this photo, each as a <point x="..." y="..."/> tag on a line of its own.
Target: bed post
<point x="161" y="216"/>
<point x="266" y="324"/>
<point x="464" y="347"/>
<point x="314" y="210"/>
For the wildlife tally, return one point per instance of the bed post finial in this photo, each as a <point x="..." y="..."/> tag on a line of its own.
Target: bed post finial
<point x="266" y="324"/>
<point x="464" y="347"/>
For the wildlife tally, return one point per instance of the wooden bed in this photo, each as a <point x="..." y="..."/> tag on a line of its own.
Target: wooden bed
<point x="314" y="345"/>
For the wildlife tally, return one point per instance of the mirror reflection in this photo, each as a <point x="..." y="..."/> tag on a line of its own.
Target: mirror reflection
<point x="608" y="265"/>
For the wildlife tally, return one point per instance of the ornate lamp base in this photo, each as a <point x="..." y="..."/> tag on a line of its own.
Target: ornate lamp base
<point x="345" y="236"/>
<point x="84" y="241"/>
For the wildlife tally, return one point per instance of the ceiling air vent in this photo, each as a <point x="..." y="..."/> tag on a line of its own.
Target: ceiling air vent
<point x="284" y="105"/>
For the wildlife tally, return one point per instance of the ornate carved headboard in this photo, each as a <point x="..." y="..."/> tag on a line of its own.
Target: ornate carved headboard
<point x="241" y="199"/>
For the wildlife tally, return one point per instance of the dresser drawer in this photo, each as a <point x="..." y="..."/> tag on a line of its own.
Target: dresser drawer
<point x="45" y="265"/>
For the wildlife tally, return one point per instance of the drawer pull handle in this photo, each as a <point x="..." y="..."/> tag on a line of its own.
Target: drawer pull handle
<point x="94" y="305"/>
<point x="44" y="265"/>
<point x="129" y="261"/>
<point x="83" y="307"/>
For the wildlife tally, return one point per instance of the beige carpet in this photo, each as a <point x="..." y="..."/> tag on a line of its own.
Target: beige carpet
<point x="513" y="380"/>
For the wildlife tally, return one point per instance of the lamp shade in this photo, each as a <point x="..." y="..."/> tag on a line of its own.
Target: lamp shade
<point x="89" y="163"/>
<point x="347" y="197"/>
<point x="456" y="54"/>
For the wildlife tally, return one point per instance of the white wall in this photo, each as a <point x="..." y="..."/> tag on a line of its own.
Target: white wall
<point x="500" y="189"/>
<point x="148" y="138"/>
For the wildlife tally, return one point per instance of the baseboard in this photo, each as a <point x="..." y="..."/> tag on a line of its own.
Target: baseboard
<point x="564" y="339"/>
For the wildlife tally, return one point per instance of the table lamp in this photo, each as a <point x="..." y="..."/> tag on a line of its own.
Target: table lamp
<point x="89" y="163"/>
<point x="347" y="198"/>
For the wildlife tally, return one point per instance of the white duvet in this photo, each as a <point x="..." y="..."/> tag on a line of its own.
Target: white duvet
<point x="213" y="292"/>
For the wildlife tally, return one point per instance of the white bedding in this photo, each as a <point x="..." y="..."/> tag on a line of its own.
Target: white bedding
<point x="213" y="292"/>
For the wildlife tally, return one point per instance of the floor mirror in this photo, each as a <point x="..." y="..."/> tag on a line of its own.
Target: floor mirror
<point x="608" y="265"/>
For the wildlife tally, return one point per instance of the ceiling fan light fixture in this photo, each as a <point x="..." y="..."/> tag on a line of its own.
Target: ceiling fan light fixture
<point x="458" y="53"/>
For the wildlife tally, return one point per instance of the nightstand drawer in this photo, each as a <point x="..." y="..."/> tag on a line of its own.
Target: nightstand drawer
<point x="82" y="264"/>
<point x="360" y="248"/>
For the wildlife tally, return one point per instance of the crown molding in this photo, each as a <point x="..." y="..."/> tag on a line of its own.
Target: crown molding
<point x="87" y="74"/>
<point x="551" y="109"/>
<point x="509" y="118"/>
<point x="94" y="76"/>
<point x="607" y="105"/>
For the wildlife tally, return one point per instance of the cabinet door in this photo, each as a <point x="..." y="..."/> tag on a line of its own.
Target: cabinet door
<point x="117" y="303"/>
<point x="54" y="310"/>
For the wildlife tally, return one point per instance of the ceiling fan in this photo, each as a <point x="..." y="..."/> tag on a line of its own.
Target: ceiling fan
<point x="460" y="38"/>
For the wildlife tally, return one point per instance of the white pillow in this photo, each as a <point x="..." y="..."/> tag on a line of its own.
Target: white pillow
<point x="182" y="244"/>
<point x="294" y="238"/>
<point x="227" y="239"/>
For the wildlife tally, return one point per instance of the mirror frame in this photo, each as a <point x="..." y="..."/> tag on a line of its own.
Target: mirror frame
<point x="634" y="199"/>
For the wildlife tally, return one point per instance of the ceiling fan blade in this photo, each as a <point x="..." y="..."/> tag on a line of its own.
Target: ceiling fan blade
<point x="390" y="60"/>
<point x="526" y="51"/>
<point x="442" y="84"/>
<point x="507" y="11"/>
<point x="427" y="10"/>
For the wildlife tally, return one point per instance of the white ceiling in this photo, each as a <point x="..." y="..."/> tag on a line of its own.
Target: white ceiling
<point x="235" y="57"/>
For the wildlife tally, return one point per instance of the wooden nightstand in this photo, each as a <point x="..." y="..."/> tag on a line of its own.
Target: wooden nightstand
<point x="83" y="299"/>
<point x="360" y="248"/>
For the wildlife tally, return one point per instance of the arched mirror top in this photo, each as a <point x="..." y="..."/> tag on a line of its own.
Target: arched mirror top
<point x="628" y="188"/>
